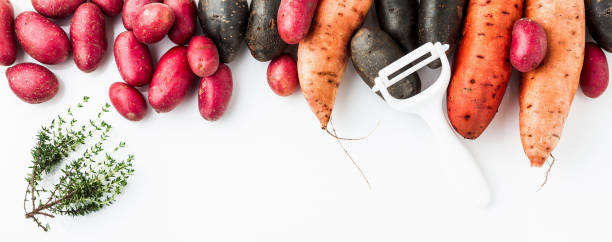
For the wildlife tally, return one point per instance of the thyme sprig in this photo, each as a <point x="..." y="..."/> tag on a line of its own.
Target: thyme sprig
<point x="87" y="183"/>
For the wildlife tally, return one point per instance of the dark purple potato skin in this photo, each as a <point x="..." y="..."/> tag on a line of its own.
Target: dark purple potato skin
<point x="529" y="45"/>
<point x="262" y="33"/>
<point x="399" y="18"/>
<point x="225" y="22"/>
<point x="440" y="21"/>
<point x="599" y="22"/>
<point x="595" y="74"/>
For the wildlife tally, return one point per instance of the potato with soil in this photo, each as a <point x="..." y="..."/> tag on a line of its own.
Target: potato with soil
<point x="529" y="45"/>
<point x="42" y="39"/>
<point x="56" y="8"/>
<point x="295" y="18"/>
<point x="88" y="37"/>
<point x="8" y="44"/>
<point x="262" y="34"/>
<point x="372" y="50"/>
<point x="185" y="20"/>
<point x="440" y="21"/>
<point x="282" y="75"/>
<point x="128" y="101"/>
<point x="203" y="56"/>
<point x="171" y="80"/>
<point x="595" y="73"/>
<point x="130" y="10"/>
<point x="153" y="22"/>
<point x="214" y="93"/>
<point x="399" y="18"/>
<point x="32" y="83"/>
<point x="109" y="7"/>
<point x="133" y="60"/>
<point x="599" y="21"/>
<point x="225" y="22"/>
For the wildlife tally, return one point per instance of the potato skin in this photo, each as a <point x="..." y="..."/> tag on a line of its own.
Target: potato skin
<point x="8" y="44"/>
<point x="56" y="8"/>
<point x="599" y="21"/>
<point x="203" y="56"/>
<point x="440" y="21"/>
<point x="372" y="50"/>
<point x="225" y="23"/>
<point x="128" y="101"/>
<point x="295" y="18"/>
<point x="41" y="38"/>
<point x="153" y="22"/>
<point x="133" y="60"/>
<point x="282" y="75"/>
<point x="130" y="9"/>
<point x="529" y="45"/>
<point x="214" y="93"/>
<point x="32" y="83"/>
<point x="88" y="37"/>
<point x="595" y="74"/>
<point x="262" y="34"/>
<point x="171" y="80"/>
<point x="399" y="18"/>
<point x="109" y="7"/>
<point x="185" y="20"/>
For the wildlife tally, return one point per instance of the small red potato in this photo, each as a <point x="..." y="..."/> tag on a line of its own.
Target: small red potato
<point x="171" y="80"/>
<point x="130" y="9"/>
<point x="8" y="44"/>
<point x="203" y="56"/>
<point x="214" y="93"/>
<point x="595" y="75"/>
<point x="56" y="8"/>
<point x="88" y="37"/>
<point x="32" y="83"/>
<point x="185" y="20"/>
<point x="529" y="45"/>
<point x="153" y="22"/>
<point x="41" y="38"/>
<point x="128" y="101"/>
<point x="133" y="60"/>
<point x="109" y="7"/>
<point x="282" y="75"/>
<point x="294" y="19"/>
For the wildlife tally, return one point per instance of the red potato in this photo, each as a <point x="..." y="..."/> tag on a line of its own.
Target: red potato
<point x="88" y="37"/>
<point x="8" y="44"/>
<point x="203" y="56"/>
<point x="130" y="9"/>
<point x="32" y="83"/>
<point x="109" y="7"/>
<point x="133" y="60"/>
<point x="185" y="20"/>
<point x="282" y="75"/>
<point x="128" y="101"/>
<point x="214" y="93"/>
<point x="595" y="74"/>
<point x="153" y="22"/>
<point x="56" y="8"/>
<point x="294" y="19"/>
<point x="42" y="39"/>
<point x="529" y="45"/>
<point x="171" y="80"/>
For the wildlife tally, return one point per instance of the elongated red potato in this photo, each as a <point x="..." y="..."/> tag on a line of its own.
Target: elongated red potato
<point x="88" y="37"/>
<point x="109" y="7"/>
<point x="294" y="19"/>
<point x="546" y="93"/>
<point x="595" y="73"/>
<point x="41" y="38"/>
<point x="56" y="8"/>
<point x="185" y="20"/>
<point x="133" y="60"/>
<point x="482" y="66"/>
<point x="130" y="9"/>
<point x="215" y="92"/>
<point x="32" y="83"/>
<point x="8" y="44"/>
<point x="128" y="101"/>
<point x="171" y="80"/>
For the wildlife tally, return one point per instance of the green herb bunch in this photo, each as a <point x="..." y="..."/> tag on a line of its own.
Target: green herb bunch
<point x="87" y="183"/>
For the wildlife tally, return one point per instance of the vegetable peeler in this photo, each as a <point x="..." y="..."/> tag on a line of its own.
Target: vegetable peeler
<point x="456" y="160"/>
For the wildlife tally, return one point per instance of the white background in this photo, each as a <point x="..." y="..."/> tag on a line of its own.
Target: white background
<point x="266" y="172"/>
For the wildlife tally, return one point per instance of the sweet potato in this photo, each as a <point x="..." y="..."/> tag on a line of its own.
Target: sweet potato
<point x="109" y="7"/>
<point x="282" y="75"/>
<point x="32" y="83"/>
<point x="546" y="93"/>
<point x="294" y="19"/>
<point x="88" y="37"/>
<point x="440" y="21"/>
<point x="399" y="18"/>
<point x="153" y="22"/>
<point x="171" y="80"/>
<point x="482" y="66"/>
<point x="214" y="93"/>
<point x="8" y="44"/>
<point x="529" y="45"/>
<point x="595" y="73"/>
<point x="41" y="38"/>
<point x="130" y="9"/>
<point x="128" y="101"/>
<point x="185" y="20"/>
<point x="262" y="34"/>
<point x="203" y="56"/>
<point x="599" y="21"/>
<point x="56" y="8"/>
<point x="225" y="23"/>
<point x="322" y="55"/>
<point x="133" y="60"/>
